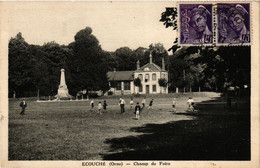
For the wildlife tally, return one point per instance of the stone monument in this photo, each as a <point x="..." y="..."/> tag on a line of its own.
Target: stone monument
<point x="63" y="91"/>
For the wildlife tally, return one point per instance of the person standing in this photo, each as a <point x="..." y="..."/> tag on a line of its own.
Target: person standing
<point x="23" y="105"/>
<point x="150" y="105"/>
<point x="99" y="108"/>
<point x="137" y="111"/>
<point x="119" y="101"/>
<point x="105" y="105"/>
<point x="131" y="103"/>
<point x="143" y="103"/>
<point x="174" y="105"/>
<point x="122" y="105"/>
<point x="92" y="104"/>
<point x="191" y="104"/>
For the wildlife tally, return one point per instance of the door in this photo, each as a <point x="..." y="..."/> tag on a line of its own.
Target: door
<point x="147" y="89"/>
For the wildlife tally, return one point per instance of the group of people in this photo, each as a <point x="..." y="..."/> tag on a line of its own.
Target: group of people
<point x="138" y="108"/>
<point x="99" y="106"/>
<point x="121" y="103"/>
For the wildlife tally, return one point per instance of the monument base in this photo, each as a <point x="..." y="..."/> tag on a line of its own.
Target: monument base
<point x="63" y="94"/>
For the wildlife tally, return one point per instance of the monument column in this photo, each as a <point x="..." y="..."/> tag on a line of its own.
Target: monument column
<point x="62" y="77"/>
<point x="63" y="91"/>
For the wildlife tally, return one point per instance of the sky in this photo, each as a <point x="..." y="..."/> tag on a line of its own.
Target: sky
<point x="115" y="24"/>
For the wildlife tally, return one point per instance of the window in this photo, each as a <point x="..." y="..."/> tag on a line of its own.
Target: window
<point x="154" y="88"/>
<point x="140" y="76"/>
<point x="146" y="77"/>
<point x="154" y="77"/>
<point x="126" y="85"/>
<point x="118" y="86"/>
<point x="141" y="88"/>
<point x="165" y="76"/>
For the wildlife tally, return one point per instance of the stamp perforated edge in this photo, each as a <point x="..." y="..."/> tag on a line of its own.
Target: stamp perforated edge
<point x="214" y="22"/>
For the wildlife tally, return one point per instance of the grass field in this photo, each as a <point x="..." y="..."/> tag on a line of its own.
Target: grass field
<point x="68" y="130"/>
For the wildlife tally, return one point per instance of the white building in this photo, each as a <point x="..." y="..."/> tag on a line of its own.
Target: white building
<point x="149" y="75"/>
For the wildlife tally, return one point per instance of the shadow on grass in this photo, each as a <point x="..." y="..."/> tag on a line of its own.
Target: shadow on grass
<point x="212" y="134"/>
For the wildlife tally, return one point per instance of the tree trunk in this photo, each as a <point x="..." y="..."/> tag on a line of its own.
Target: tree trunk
<point x="199" y="88"/>
<point x="14" y="95"/>
<point x="190" y="89"/>
<point x="184" y="90"/>
<point x="177" y="90"/>
<point x="38" y="94"/>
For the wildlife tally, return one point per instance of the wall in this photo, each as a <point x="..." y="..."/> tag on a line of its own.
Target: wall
<point x="151" y="82"/>
<point x="125" y="92"/>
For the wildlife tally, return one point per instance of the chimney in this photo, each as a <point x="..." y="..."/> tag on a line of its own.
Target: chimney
<point x="138" y="64"/>
<point x="163" y="64"/>
<point x="151" y="58"/>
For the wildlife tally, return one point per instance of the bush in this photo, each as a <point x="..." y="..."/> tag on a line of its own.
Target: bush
<point x="162" y="82"/>
<point x="137" y="82"/>
<point x="137" y="95"/>
<point x="92" y="95"/>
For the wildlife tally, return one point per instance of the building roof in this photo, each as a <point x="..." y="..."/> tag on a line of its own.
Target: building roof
<point x="150" y="67"/>
<point x="120" y="75"/>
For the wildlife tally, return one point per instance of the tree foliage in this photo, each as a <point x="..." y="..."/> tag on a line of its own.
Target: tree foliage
<point x="20" y="66"/>
<point x="162" y="82"/>
<point x="137" y="82"/>
<point x="125" y="58"/>
<point x="158" y="52"/>
<point x="34" y="67"/>
<point x="88" y="65"/>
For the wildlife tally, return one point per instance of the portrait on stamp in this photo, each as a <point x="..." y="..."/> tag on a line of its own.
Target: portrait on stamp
<point x="233" y="23"/>
<point x="195" y="24"/>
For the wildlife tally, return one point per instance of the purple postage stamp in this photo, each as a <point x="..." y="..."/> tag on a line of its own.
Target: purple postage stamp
<point x="195" y="24"/>
<point x="233" y="23"/>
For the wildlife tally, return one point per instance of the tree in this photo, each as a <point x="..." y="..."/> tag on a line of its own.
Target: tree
<point x="88" y="67"/>
<point x="137" y="82"/>
<point x="141" y="54"/>
<point x="158" y="52"/>
<point x="20" y="66"/>
<point x="169" y="19"/>
<point x="162" y="83"/>
<point x="111" y="60"/>
<point x="175" y="68"/>
<point x="126" y="61"/>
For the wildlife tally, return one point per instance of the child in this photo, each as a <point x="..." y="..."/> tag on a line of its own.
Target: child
<point x="105" y="105"/>
<point x="137" y="111"/>
<point x="92" y="104"/>
<point x="99" y="108"/>
<point x="23" y="105"/>
<point x="191" y="104"/>
<point x="150" y="105"/>
<point x="174" y="105"/>
<point x="131" y="103"/>
<point x="143" y="103"/>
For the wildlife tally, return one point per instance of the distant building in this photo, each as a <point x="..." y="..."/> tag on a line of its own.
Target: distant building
<point x="149" y="75"/>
